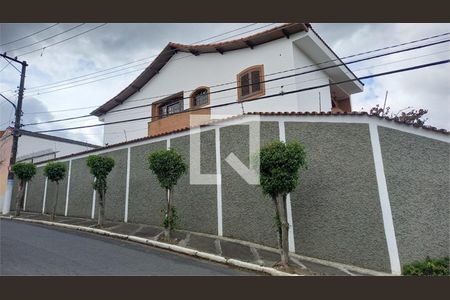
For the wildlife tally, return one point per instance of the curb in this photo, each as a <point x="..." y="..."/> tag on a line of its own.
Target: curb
<point x="174" y="248"/>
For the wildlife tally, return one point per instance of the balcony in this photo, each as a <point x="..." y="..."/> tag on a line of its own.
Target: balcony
<point x="178" y="121"/>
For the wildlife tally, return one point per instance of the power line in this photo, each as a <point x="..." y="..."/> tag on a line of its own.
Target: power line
<point x="93" y="81"/>
<point x="4" y="67"/>
<point x="11" y="65"/>
<point x="174" y="50"/>
<point x="231" y="31"/>
<point x="243" y="33"/>
<point x="416" y="67"/>
<point x="232" y="82"/>
<point x="48" y="38"/>
<point x="357" y="54"/>
<point x="306" y="72"/>
<point x="64" y="40"/>
<point x="34" y="33"/>
<point x="146" y="58"/>
<point x="145" y="63"/>
<point x="273" y="79"/>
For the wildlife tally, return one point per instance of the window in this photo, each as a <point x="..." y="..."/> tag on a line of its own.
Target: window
<point x="251" y="82"/>
<point x="200" y="97"/>
<point x="168" y="106"/>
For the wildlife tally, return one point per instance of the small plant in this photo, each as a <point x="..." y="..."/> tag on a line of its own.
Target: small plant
<point x="25" y="172"/>
<point x="168" y="166"/>
<point x="100" y="167"/>
<point x="279" y="167"/>
<point x="55" y="172"/>
<point x="428" y="267"/>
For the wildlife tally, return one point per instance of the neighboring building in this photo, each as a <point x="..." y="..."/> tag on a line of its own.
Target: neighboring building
<point x="34" y="147"/>
<point x="184" y="78"/>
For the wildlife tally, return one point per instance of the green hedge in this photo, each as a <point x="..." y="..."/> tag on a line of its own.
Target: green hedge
<point x="428" y="267"/>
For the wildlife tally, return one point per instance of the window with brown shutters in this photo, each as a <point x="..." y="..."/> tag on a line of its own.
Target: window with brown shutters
<point x="251" y="83"/>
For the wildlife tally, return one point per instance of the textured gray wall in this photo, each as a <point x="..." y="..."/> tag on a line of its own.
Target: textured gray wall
<point x="35" y="192"/>
<point x="247" y="214"/>
<point x="418" y="179"/>
<point x="336" y="209"/>
<point x="197" y="204"/>
<point x="146" y="198"/>
<point x="116" y="187"/>
<point x="51" y="195"/>
<point x="80" y="196"/>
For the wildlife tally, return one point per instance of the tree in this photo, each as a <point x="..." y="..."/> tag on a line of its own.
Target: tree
<point x="25" y="172"/>
<point x="279" y="174"/>
<point x="168" y="166"/>
<point x="55" y="172"/>
<point x="100" y="167"/>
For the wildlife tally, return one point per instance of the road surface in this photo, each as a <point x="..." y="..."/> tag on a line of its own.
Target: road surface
<point x="29" y="249"/>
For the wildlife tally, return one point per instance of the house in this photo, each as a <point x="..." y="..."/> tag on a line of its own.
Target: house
<point x="33" y="147"/>
<point x="219" y="80"/>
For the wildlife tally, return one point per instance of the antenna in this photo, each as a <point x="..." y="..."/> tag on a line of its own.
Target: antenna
<point x="320" y="104"/>
<point x="385" y="99"/>
<point x="125" y="133"/>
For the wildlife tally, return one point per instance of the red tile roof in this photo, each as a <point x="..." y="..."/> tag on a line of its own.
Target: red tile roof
<point x="171" y="48"/>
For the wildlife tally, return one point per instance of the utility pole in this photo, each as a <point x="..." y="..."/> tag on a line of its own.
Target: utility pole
<point x="16" y="133"/>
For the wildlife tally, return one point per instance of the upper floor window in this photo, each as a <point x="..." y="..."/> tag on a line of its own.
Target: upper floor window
<point x="168" y="106"/>
<point x="251" y="82"/>
<point x="200" y="97"/>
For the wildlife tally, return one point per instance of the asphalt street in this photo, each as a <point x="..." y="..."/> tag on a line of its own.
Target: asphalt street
<point x="29" y="249"/>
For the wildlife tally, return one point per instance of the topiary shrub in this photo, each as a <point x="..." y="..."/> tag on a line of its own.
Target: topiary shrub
<point x="55" y="172"/>
<point x="428" y="267"/>
<point x="100" y="167"/>
<point x="280" y="164"/>
<point x="168" y="166"/>
<point x="25" y="172"/>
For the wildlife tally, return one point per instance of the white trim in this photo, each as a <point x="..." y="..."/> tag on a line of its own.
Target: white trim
<point x="286" y="118"/>
<point x="93" y="203"/>
<point x="127" y="186"/>
<point x="219" y="184"/>
<point x="25" y="197"/>
<point x="68" y="188"/>
<point x="384" y="201"/>
<point x="168" y="143"/>
<point x="351" y="119"/>
<point x="45" y="195"/>
<point x="291" y="241"/>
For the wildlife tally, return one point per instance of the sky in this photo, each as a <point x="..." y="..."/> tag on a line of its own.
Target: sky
<point x="58" y="84"/>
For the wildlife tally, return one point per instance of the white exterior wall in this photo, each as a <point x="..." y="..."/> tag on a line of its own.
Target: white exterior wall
<point x="185" y="72"/>
<point x="309" y="100"/>
<point x="29" y="145"/>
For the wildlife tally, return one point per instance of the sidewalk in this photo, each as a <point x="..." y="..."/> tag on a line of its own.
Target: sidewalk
<point x="225" y="247"/>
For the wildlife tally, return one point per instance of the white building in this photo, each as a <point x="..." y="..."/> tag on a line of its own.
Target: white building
<point x="32" y="147"/>
<point x="185" y="78"/>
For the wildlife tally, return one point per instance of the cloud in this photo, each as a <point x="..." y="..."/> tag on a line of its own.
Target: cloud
<point x="116" y="44"/>
<point x="425" y="88"/>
